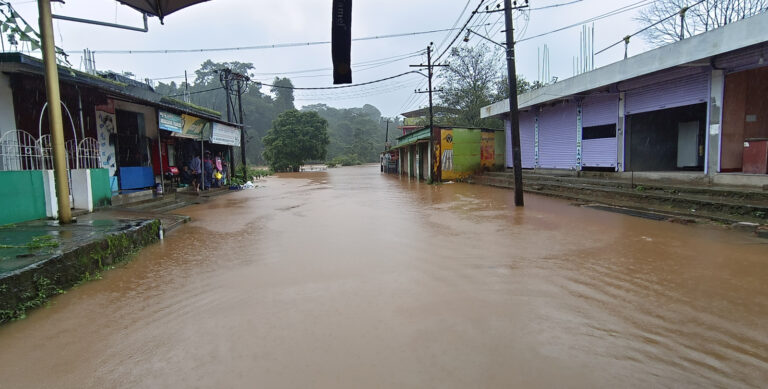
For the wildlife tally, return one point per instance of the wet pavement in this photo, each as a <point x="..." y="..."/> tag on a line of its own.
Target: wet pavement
<point x="29" y="243"/>
<point x="349" y="278"/>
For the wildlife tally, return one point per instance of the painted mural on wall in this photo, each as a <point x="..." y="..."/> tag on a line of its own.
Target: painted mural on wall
<point x="488" y="149"/>
<point x="105" y="129"/>
<point x="446" y="143"/>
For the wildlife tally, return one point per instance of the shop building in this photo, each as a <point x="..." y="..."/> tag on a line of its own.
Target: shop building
<point x="115" y="140"/>
<point x="462" y="151"/>
<point x="695" y="109"/>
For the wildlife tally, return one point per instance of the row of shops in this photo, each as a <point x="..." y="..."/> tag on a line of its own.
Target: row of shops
<point x="460" y="152"/>
<point x="697" y="106"/>
<point x="120" y="136"/>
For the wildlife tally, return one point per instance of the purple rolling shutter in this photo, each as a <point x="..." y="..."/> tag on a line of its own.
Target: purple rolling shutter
<point x="599" y="152"/>
<point x="526" y="140"/>
<point x="691" y="89"/>
<point x="557" y="137"/>
<point x="744" y="59"/>
<point x="599" y="111"/>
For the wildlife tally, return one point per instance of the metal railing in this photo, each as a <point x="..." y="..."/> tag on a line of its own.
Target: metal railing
<point x="19" y="150"/>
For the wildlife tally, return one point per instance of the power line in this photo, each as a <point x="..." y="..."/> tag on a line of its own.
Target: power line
<point x="260" y="47"/>
<point x="472" y="15"/>
<point x="456" y="23"/>
<point x="626" y="38"/>
<point x="347" y="86"/>
<point x="554" y="5"/>
<point x="320" y="88"/>
<point x="617" y="11"/>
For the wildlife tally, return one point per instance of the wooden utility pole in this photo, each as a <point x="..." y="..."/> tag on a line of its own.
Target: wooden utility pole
<point x="433" y="144"/>
<point x="514" y="118"/>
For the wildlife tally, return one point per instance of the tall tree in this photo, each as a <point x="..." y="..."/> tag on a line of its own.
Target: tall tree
<point x="283" y="91"/>
<point x="295" y="137"/>
<point x="469" y="83"/>
<point x="708" y="15"/>
<point x="356" y="134"/>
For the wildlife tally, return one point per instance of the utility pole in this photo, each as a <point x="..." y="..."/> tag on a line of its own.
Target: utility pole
<point x="242" y="129"/>
<point x="386" y="137"/>
<point x="226" y="76"/>
<point x="433" y="144"/>
<point x="514" y="118"/>
<point x="54" y="111"/>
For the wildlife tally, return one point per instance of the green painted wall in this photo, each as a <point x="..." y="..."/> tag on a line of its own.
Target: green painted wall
<point x="22" y="196"/>
<point x="100" y="189"/>
<point x="500" y="148"/>
<point x="466" y="150"/>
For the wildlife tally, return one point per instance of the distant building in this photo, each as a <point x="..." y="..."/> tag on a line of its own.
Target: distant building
<point x="463" y="151"/>
<point x="694" y="109"/>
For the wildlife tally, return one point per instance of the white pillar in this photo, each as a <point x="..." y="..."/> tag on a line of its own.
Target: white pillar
<point x="714" y="118"/>
<point x="81" y="189"/>
<point x="51" y="202"/>
<point x="620" y="130"/>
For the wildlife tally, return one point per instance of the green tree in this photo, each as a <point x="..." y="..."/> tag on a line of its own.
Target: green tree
<point x="295" y="137"/>
<point x="356" y="134"/>
<point x="283" y="90"/>
<point x="469" y="83"/>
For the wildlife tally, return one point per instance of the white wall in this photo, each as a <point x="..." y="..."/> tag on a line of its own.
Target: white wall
<point x="81" y="189"/>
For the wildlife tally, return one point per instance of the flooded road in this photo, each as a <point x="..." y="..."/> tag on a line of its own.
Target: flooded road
<point x="352" y="279"/>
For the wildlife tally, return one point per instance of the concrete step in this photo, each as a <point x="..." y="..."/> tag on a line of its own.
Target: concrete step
<point x="134" y="197"/>
<point x="742" y="194"/>
<point x="689" y="204"/>
<point x="171" y="222"/>
<point x="171" y="207"/>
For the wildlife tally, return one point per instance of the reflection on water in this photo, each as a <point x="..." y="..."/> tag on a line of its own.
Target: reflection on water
<point x="349" y="278"/>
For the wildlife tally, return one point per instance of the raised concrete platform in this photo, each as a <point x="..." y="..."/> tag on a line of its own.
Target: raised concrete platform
<point x="40" y="259"/>
<point x="678" y="197"/>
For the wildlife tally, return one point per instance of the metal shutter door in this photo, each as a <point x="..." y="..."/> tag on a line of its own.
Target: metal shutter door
<point x="599" y="110"/>
<point x="688" y="90"/>
<point x="599" y="152"/>
<point x="557" y="137"/>
<point x="526" y="140"/>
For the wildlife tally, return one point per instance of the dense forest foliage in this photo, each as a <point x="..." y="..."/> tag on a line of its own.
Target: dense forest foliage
<point x="356" y="134"/>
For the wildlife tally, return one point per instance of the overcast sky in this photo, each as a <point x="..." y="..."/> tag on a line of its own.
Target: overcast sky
<point x="238" y="23"/>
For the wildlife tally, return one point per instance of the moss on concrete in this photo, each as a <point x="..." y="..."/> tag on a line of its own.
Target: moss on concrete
<point x="33" y="286"/>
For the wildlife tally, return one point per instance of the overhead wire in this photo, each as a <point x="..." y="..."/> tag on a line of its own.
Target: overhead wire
<point x="647" y="27"/>
<point x="261" y="47"/>
<point x="614" y="12"/>
<point x="472" y="15"/>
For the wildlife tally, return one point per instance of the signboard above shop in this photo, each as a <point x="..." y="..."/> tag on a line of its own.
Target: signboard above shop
<point x="170" y="121"/>
<point x="225" y="135"/>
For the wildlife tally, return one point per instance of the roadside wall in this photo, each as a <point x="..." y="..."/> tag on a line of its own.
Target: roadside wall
<point x="100" y="188"/>
<point x="464" y="147"/>
<point x="23" y="196"/>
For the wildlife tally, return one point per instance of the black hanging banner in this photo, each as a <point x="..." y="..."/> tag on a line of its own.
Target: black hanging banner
<point x="341" y="41"/>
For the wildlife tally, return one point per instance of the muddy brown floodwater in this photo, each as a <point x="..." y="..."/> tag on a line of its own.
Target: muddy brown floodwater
<point x="353" y="279"/>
